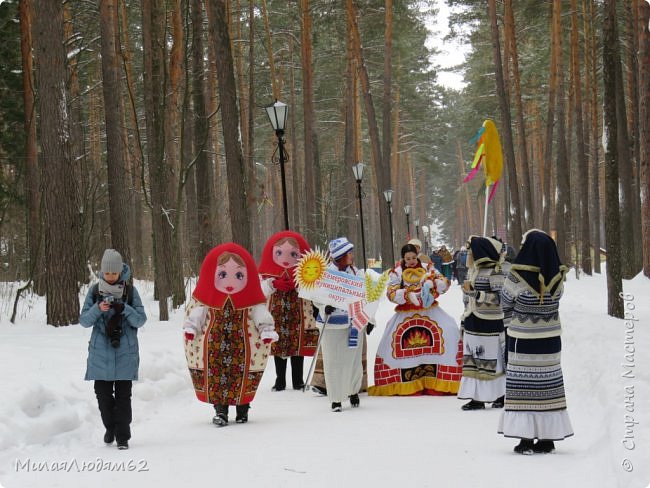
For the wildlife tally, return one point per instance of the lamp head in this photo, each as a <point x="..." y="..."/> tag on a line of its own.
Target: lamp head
<point x="277" y="113"/>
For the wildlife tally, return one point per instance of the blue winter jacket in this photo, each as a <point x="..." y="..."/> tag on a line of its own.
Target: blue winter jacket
<point x="106" y="362"/>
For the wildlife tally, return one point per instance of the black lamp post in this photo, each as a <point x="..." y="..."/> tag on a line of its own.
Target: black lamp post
<point x="417" y="228"/>
<point x="277" y="113"/>
<point x="357" y="169"/>
<point x="388" y="195"/>
<point x="407" y="211"/>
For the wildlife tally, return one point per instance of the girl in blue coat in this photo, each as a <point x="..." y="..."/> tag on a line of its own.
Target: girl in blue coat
<point x="115" y="312"/>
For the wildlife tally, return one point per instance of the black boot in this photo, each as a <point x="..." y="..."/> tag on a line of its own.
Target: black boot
<point x="109" y="436"/>
<point x="221" y="417"/>
<point x="280" y="373"/>
<point x="296" y="372"/>
<point x="473" y="405"/>
<point x="525" y="447"/>
<point x="336" y="407"/>
<point x="498" y="403"/>
<point x="354" y="400"/>
<point x="242" y="413"/>
<point x="544" y="447"/>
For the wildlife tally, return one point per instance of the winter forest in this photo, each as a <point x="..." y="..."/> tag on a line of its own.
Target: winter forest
<point x="141" y="125"/>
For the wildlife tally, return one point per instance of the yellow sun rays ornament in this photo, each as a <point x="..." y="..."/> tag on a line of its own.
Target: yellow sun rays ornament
<point x="310" y="269"/>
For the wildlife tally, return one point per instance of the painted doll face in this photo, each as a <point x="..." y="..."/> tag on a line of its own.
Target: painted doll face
<point x="286" y="255"/>
<point x="230" y="277"/>
<point x="410" y="259"/>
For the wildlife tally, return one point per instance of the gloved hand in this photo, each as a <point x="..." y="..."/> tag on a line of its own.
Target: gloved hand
<point x="400" y="299"/>
<point x="441" y="285"/>
<point x="189" y="334"/>
<point x="329" y="309"/>
<point x="283" y="284"/>
<point x="269" y="334"/>
<point x="118" y="307"/>
<point x="369" y="328"/>
<point x="314" y="311"/>
<point x="427" y="294"/>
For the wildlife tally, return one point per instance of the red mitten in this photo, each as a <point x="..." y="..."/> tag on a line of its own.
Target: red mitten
<point x="189" y="336"/>
<point x="283" y="284"/>
<point x="268" y="340"/>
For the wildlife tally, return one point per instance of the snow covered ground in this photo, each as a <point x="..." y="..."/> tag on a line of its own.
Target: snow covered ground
<point x="51" y="433"/>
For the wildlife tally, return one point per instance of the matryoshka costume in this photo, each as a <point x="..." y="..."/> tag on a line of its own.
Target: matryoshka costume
<point x="228" y="332"/>
<point x="293" y="317"/>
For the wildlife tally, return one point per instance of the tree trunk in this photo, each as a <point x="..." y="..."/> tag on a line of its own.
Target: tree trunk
<point x="550" y="118"/>
<point x="612" y="212"/>
<point x="115" y="148"/>
<point x="625" y="170"/>
<point x="237" y="185"/>
<point x="32" y="177"/>
<point x="581" y="156"/>
<point x="387" y="135"/>
<point x="643" y="20"/>
<point x="135" y="153"/>
<point x="297" y="170"/>
<point x="524" y="179"/>
<point x="75" y="118"/>
<point x="312" y="167"/>
<point x="506" y="126"/>
<point x="591" y="54"/>
<point x="59" y="190"/>
<point x="563" y="191"/>
<point x="381" y="165"/>
<point x="153" y="32"/>
<point x="204" y="178"/>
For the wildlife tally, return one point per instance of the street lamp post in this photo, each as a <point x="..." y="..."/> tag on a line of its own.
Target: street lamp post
<point x="357" y="169"/>
<point x="388" y="195"/>
<point x="407" y="211"/>
<point x="277" y="113"/>
<point x="417" y="228"/>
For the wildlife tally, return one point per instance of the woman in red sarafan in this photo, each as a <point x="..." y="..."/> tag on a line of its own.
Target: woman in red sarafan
<point x="228" y="332"/>
<point x="293" y="317"/>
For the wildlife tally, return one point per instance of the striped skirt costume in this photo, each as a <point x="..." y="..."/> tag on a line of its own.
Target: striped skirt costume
<point x="535" y="403"/>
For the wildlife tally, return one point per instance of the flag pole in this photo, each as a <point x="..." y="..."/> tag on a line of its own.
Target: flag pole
<point x="487" y="194"/>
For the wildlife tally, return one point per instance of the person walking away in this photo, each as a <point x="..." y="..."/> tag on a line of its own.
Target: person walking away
<point x="482" y="326"/>
<point x="535" y="405"/>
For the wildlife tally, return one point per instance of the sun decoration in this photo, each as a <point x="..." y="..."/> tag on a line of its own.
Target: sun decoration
<point x="310" y="268"/>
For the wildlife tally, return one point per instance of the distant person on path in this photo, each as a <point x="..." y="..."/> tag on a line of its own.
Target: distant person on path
<point x="421" y="256"/>
<point x="461" y="265"/>
<point x="114" y="311"/>
<point x="228" y="332"/>
<point x="535" y="404"/>
<point x="482" y="324"/>
<point x="436" y="259"/>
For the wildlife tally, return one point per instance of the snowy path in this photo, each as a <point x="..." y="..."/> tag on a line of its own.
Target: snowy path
<point x="50" y="426"/>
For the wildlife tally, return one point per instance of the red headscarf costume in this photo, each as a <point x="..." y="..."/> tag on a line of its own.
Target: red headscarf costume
<point x="205" y="291"/>
<point x="294" y="320"/>
<point x="227" y="375"/>
<point x="268" y="267"/>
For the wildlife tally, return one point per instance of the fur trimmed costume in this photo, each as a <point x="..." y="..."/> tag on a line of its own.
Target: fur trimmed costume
<point x="419" y="352"/>
<point x="228" y="329"/>
<point x="293" y="316"/>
